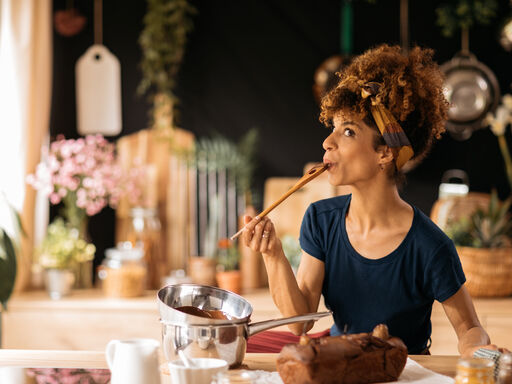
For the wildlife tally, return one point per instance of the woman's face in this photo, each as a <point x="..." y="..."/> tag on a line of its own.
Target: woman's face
<point x="350" y="152"/>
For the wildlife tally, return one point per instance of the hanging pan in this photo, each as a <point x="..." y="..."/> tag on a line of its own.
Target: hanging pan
<point x="471" y="89"/>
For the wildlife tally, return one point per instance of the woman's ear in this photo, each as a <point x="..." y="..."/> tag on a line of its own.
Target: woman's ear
<point x="385" y="155"/>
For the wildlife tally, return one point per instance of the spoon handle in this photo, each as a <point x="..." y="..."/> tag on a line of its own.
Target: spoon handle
<point x="310" y="175"/>
<point x="186" y="361"/>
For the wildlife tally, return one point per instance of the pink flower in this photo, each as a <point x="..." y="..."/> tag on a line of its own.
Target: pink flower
<point x="86" y="167"/>
<point x="55" y="198"/>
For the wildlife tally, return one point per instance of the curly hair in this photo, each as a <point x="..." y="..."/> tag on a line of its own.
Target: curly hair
<point x="411" y="89"/>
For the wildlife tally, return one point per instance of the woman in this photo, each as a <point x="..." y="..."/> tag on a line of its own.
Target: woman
<point x="375" y="258"/>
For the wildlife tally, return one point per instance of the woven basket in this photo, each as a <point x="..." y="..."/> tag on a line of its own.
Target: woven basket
<point x="488" y="270"/>
<point x="451" y="209"/>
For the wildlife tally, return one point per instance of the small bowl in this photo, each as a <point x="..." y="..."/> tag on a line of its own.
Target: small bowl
<point x="202" y="372"/>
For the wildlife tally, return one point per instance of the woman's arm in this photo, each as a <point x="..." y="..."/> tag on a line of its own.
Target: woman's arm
<point x="293" y="296"/>
<point x="461" y="313"/>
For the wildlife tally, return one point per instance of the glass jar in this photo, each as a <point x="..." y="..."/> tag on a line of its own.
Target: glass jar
<point x="505" y="371"/>
<point x="123" y="271"/>
<point x="144" y="232"/>
<point x="238" y="377"/>
<point x="475" y="371"/>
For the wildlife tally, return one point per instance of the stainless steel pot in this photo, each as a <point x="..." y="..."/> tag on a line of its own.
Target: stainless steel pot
<point x="204" y="337"/>
<point x="472" y="90"/>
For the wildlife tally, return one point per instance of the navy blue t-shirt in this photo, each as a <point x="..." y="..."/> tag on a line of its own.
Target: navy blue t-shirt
<point x="397" y="290"/>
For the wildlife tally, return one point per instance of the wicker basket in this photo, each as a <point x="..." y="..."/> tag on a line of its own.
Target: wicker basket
<point x="451" y="209"/>
<point x="488" y="270"/>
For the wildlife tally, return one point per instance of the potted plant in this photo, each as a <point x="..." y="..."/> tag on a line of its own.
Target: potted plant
<point x="484" y="245"/>
<point x="483" y="238"/>
<point x="234" y="164"/>
<point x="7" y="270"/>
<point x="9" y="246"/>
<point x="228" y="262"/>
<point x="60" y="252"/>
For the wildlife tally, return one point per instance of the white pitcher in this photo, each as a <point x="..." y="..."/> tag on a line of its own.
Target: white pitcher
<point x="133" y="361"/>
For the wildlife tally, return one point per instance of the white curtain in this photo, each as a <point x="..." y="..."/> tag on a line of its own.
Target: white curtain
<point x="25" y="92"/>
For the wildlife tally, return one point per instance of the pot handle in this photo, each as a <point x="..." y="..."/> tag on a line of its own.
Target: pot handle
<point x="268" y="324"/>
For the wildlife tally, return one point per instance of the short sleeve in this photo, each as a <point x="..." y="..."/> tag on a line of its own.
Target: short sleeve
<point x="444" y="275"/>
<point x="310" y="239"/>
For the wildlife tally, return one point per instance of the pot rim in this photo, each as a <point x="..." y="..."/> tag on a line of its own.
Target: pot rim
<point x="169" y="314"/>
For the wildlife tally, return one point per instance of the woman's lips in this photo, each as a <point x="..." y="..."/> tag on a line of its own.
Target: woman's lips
<point x="329" y="164"/>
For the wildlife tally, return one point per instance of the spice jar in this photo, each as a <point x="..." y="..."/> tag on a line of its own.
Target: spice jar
<point x="505" y="371"/>
<point x="144" y="233"/>
<point x="123" y="272"/>
<point x="475" y="371"/>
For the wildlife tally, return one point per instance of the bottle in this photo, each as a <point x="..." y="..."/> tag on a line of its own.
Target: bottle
<point x="505" y="370"/>
<point x="144" y="233"/>
<point x="475" y="371"/>
<point x="123" y="271"/>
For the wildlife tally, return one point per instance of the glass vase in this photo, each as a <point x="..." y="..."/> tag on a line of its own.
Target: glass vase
<point x="77" y="218"/>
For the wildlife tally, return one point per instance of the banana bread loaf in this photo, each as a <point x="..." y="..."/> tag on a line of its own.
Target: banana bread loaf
<point x="347" y="359"/>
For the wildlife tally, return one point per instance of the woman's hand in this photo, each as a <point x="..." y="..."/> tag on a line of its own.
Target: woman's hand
<point x="470" y="351"/>
<point x="260" y="235"/>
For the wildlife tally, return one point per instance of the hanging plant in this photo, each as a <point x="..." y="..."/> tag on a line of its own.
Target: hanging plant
<point x="464" y="14"/>
<point x="163" y="40"/>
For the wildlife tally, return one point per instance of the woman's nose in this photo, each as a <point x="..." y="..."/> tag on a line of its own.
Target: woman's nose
<point x="328" y="144"/>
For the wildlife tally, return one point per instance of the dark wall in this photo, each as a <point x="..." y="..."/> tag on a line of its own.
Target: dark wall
<point x="251" y="64"/>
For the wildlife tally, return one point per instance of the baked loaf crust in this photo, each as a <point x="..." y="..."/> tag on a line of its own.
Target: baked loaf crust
<point x="348" y="359"/>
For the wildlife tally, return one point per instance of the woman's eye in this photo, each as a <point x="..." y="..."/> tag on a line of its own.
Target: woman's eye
<point x="348" y="132"/>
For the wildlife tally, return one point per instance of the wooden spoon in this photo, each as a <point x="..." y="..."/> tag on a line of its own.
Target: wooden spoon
<point x="310" y="175"/>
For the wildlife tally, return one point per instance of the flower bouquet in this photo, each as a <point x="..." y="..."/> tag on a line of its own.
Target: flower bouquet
<point x="84" y="176"/>
<point x="82" y="173"/>
<point x="69" y="375"/>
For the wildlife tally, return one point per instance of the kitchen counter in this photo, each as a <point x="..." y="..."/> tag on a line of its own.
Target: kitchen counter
<point x="86" y="320"/>
<point x="91" y="359"/>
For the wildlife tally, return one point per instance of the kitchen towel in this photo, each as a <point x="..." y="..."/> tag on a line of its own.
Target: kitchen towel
<point x="414" y="373"/>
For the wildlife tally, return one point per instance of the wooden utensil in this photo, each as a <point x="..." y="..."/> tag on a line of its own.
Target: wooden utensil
<point x="310" y="175"/>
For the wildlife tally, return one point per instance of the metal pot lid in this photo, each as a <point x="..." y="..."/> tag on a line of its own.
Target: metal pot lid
<point x="472" y="90"/>
<point x="202" y="297"/>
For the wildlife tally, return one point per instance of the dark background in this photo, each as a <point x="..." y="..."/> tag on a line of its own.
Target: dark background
<point x="251" y="64"/>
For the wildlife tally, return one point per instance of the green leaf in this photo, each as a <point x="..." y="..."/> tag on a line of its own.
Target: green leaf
<point x="456" y="14"/>
<point x="7" y="268"/>
<point x="18" y="222"/>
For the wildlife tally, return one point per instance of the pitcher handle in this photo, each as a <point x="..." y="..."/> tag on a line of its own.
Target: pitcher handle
<point x="109" y="353"/>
